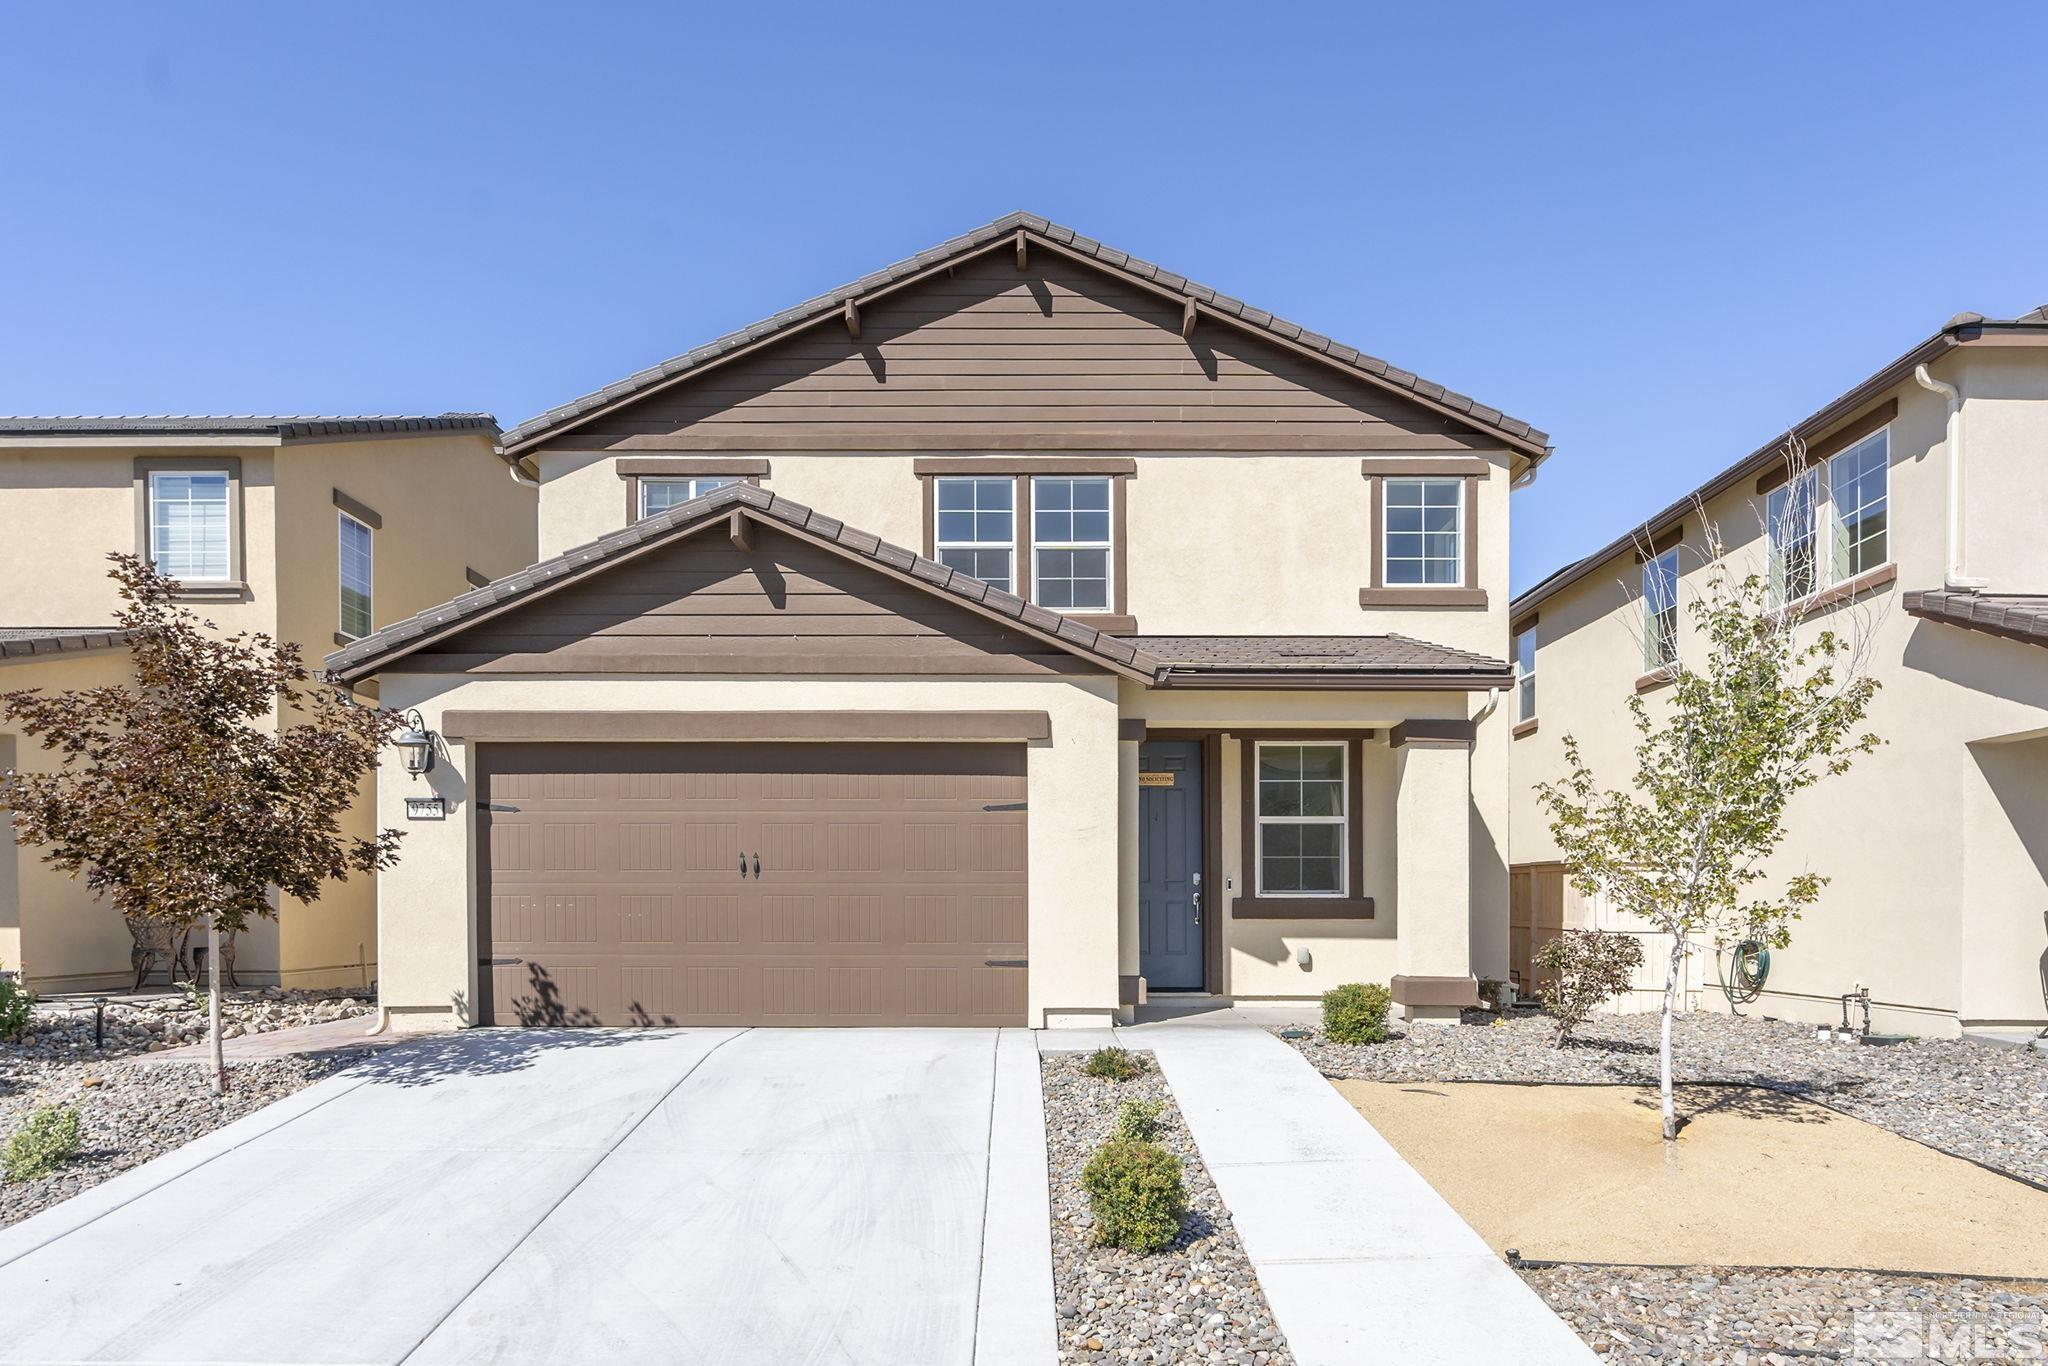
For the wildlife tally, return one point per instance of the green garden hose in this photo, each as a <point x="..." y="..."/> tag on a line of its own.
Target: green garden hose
<point x="1751" y="964"/>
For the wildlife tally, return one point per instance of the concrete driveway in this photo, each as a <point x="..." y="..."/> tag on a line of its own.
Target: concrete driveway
<point x="801" y="1198"/>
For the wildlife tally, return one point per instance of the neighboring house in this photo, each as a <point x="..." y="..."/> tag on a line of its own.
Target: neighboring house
<point x="1919" y="531"/>
<point x="1015" y="629"/>
<point x="313" y="529"/>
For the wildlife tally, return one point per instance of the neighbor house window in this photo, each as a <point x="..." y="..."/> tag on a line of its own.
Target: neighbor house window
<point x="1070" y="543"/>
<point x="1525" y="674"/>
<point x="1301" y="818"/>
<point x="1790" y="510"/>
<point x="1425" y="535"/>
<point x="661" y="494"/>
<point x="189" y="525"/>
<point x="1660" y="610"/>
<point x="357" y="577"/>
<point x="1857" y="485"/>
<point x="976" y="528"/>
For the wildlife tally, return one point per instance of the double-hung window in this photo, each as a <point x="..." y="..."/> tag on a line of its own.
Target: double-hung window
<point x="1525" y="673"/>
<point x="1070" y="542"/>
<point x="660" y="493"/>
<point x="1425" y="535"/>
<point x="1792" y="511"/>
<point x="1660" y="610"/>
<point x="976" y="527"/>
<point x="1858" y="481"/>
<point x="189" y="525"/>
<point x="357" y="576"/>
<point x="1302" y="817"/>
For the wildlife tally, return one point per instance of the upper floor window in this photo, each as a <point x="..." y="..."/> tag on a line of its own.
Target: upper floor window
<point x="189" y="525"/>
<point x="661" y="494"/>
<point x="1660" y="610"/>
<point x="1070" y="543"/>
<point x="1302" y="821"/>
<point x="1792" y="511"/>
<point x="976" y="531"/>
<point x="1858" y="480"/>
<point x="1425" y="536"/>
<point x="1525" y="673"/>
<point x="357" y="576"/>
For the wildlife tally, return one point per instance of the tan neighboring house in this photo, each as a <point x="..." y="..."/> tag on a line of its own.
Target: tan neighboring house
<point x="1017" y="630"/>
<point x="1922" y="531"/>
<point x="314" y="529"/>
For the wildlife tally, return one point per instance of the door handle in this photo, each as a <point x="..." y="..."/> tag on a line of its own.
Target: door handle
<point x="1197" y="899"/>
<point x="757" y="866"/>
<point x="743" y="863"/>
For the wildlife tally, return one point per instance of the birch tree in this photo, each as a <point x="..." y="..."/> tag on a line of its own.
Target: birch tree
<point x="1760" y="707"/>
<point x="207" y="786"/>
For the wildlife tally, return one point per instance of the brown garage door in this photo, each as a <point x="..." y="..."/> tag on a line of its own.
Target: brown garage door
<point x="776" y="884"/>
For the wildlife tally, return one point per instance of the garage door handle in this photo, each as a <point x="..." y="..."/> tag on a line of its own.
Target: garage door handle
<point x="757" y="867"/>
<point x="504" y="962"/>
<point x="743" y="863"/>
<point x="1005" y="962"/>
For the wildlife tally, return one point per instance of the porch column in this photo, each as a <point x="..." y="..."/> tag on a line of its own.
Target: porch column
<point x="1130" y="735"/>
<point x="1433" y="869"/>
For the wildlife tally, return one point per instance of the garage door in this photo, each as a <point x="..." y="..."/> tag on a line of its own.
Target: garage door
<point x="772" y="884"/>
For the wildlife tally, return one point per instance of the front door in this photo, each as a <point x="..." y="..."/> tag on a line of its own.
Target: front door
<point x="1170" y="887"/>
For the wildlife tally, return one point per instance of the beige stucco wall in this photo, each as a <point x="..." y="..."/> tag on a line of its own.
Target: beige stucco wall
<point x="1938" y="899"/>
<point x="1260" y="955"/>
<point x="426" y="921"/>
<point x="1254" y="544"/>
<point x="446" y="504"/>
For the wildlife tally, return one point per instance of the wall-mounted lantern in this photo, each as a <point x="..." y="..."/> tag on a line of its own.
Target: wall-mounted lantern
<point x="416" y="743"/>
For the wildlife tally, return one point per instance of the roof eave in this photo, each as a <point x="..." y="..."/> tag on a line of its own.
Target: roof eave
<point x="1275" y="680"/>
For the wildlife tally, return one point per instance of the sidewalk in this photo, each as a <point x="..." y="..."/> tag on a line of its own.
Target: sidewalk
<point x="1359" y="1257"/>
<point x="331" y="1036"/>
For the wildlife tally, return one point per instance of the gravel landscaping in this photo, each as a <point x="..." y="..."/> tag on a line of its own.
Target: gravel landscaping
<point x="131" y="1111"/>
<point x="1706" y="1316"/>
<point x="1197" y="1301"/>
<point x="1986" y="1104"/>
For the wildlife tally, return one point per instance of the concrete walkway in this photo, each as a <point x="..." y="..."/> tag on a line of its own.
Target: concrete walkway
<point x="1361" y="1260"/>
<point x="762" y="1197"/>
<point x="329" y="1036"/>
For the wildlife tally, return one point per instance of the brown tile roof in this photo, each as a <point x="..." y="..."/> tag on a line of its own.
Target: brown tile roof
<point x="1957" y="331"/>
<point x="1373" y="660"/>
<point x="2016" y="616"/>
<point x="1349" y="656"/>
<point x="22" y="641"/>
<point x="288" y="428"/>
<point x="1516" y="432"/>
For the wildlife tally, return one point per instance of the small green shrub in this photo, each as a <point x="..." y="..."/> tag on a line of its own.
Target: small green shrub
<point x="1582" y="969"/>
<point x="46" y="1138"/>
<point x="17" y="1006"/>
<point x="1139" y="1119"/>
<point x="1136" y="1192"/>
<point x="1356" y="1013"/>
<point x="1115" y="1064"/>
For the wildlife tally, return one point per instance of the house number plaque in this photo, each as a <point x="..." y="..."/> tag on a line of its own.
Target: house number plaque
<point x="1155" y="779"/>
<point x="426" y="808"/>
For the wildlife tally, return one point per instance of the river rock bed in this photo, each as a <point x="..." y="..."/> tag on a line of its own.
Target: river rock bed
<point x="1197" y="1301"/>
<point x="1979" y="1102"/>
<point x="1717" y="1316"/>
<point x="153" y="1023"/>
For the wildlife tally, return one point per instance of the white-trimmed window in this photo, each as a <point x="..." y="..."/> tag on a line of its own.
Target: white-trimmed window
<point x="1425" y="533"/>
<point x="1792" y="512"/>
<point x="358" y="577"/>
<point x="1858" y="484"/>
<point x="659" y="493"/>
<point x="1070" y="542"/>
<point x="975" y="529"/>
<point x="189" y="525"/>
<point x="1525" y="673"/>
<point x="1660" y="610"/>
<point x="1302" y="820"/>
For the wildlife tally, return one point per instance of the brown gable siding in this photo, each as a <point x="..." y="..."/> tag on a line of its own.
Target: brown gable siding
<point x="704" y="606"/>
<point x="1056" y="356"/>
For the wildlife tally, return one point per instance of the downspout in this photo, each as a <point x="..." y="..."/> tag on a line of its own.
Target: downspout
<point x="519" y="475"/>
<point x="383" y="1022"/>
<point x="1952" y="569"/>
<point x="1492" y="701"/>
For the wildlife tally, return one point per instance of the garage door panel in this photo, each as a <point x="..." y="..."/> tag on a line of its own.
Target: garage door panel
<point x="890" y="878"/>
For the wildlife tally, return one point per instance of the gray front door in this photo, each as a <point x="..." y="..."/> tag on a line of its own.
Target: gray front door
<point x="1170" y="902"/>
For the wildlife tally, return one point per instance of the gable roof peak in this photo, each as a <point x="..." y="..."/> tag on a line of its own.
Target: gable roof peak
<point x="1513" y="431"/>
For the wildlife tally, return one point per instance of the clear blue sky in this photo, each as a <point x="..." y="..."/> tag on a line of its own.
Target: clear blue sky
<point x="1659" y="232"/>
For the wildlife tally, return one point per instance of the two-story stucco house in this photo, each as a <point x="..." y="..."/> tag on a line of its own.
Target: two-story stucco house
<point x="313" y="529"/>
<point x="1918" y="530"/>
<point x="1016" y="630"/>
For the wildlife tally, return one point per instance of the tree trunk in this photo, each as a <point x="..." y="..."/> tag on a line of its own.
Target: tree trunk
<point x="217" y="1061"/>
<point x="1670" y="1109"/>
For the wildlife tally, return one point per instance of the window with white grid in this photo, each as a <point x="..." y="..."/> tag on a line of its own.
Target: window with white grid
<point x="661" y="494"/>
<point x="357" y="577"/>
<point x="1425" y="533"/>
<point x="189" y="525"/>
<point x="1070" y="543"/>
<point x="976" y="527"/>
